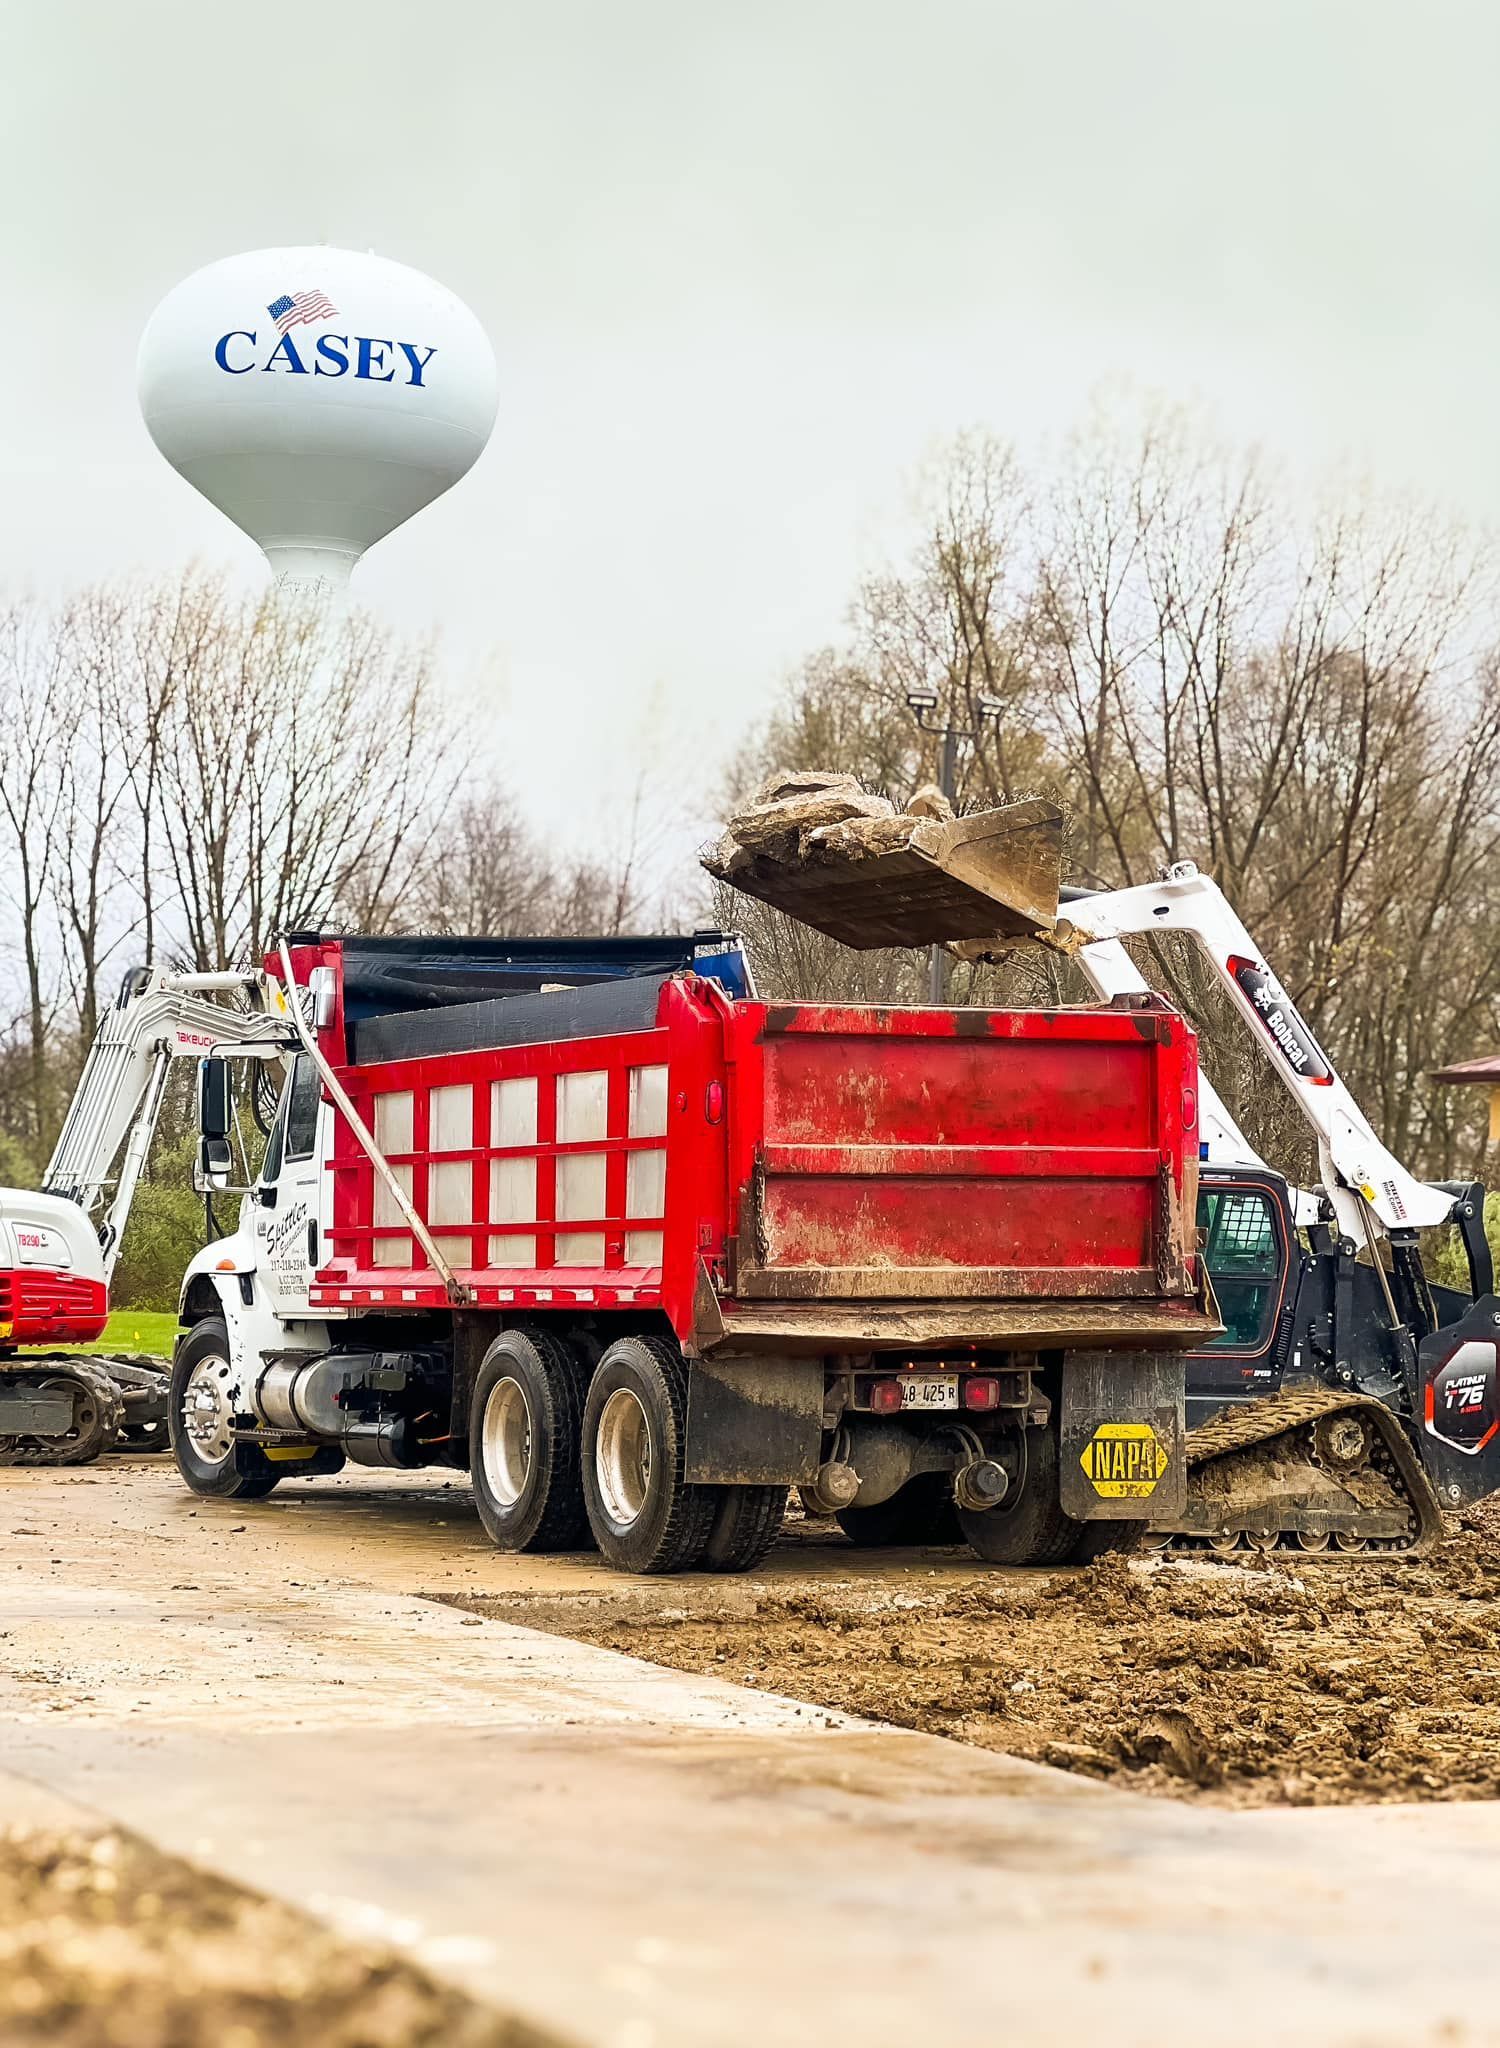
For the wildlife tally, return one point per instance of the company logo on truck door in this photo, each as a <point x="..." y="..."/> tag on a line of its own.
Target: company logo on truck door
<point x="1124" y="1460"/>
<point x="330" y="355"/>
<point x="1278" y="1014"/>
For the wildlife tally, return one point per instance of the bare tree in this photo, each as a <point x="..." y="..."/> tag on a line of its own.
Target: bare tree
<point x="33" y="744"/>
<point x="489" y="874"/>
<point x="1305" y="710"/>
<point x="299" y="765"/>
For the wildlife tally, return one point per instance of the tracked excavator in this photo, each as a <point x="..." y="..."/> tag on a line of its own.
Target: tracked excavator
<point x="59" y="1244"/>
<point x="1347" y="1399"/>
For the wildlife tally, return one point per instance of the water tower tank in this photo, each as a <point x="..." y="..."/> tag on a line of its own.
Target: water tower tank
<point x="318" y="397"/>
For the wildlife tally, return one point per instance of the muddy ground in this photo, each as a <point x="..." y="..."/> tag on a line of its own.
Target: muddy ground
<point x="106" y="1944"/>
<point x="1268" y="1682"/>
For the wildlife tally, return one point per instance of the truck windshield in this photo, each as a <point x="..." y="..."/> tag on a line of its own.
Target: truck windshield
<point x="1242" y="1249"/>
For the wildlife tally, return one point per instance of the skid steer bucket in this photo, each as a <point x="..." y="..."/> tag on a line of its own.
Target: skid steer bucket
<point x="907" y="881"/>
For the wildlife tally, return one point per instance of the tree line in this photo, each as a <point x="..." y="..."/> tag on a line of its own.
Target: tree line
<point x="1307" y="706"/>
<point x="186" y="771"/>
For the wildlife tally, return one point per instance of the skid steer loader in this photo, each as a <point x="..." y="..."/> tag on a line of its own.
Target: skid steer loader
<point x="1347" y="1399"/>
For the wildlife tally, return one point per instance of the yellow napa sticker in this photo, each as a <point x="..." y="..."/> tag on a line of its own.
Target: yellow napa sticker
<point x="6" y="1329"/>
<point x="1124" y="1460"/>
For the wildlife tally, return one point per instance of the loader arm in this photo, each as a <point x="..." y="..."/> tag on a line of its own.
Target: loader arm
<point x="157" y="1017"/>
<point x="1363" y="1181"/>
<point x="1110" y="971"/>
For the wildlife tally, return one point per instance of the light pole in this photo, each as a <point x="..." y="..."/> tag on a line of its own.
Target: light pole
<point x="923" y="703"/>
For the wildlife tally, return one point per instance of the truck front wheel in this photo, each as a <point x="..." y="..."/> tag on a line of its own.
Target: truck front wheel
<point x="645" y="1518"/>
<point x="204" y="1399"/>
<point x="523" y="1444"/>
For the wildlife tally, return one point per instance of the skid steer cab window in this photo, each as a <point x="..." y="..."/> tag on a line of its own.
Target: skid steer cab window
<point x="302" y="1109"/>
<point x="1241" y="1235"/>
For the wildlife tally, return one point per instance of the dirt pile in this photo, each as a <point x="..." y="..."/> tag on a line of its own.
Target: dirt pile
<point x="1266" y="1682"/>
<point x="821" y="847"/>
<point x="106" y="1944"/>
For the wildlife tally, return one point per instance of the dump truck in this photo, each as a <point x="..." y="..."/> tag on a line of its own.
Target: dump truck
<point x="641" y="1251"/>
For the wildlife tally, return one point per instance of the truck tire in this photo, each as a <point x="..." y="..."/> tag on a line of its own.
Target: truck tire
<point x="202" y="1403"/>
<point x="1035" y="1530"/>
<point x="921" y="1512"/>
<point x="1096" y="1539"/>
<point x="523" y="1443"/>
<point x="644" y="1516"/>
<point x="746" y="1523"/>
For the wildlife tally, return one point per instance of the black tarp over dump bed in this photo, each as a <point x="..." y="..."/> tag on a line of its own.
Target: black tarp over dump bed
<point x="407" y="998"/>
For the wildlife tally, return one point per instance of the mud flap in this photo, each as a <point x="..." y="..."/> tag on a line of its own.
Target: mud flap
<point x="1121" y="1450"/>
<point x="753" y="1421"/>
<point x="1460" y="1377"/>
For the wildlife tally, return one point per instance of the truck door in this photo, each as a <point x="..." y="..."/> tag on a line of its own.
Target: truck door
<point x="288" y="1250"/>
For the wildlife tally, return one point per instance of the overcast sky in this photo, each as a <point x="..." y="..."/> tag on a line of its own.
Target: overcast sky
<point x="743" y="264"/>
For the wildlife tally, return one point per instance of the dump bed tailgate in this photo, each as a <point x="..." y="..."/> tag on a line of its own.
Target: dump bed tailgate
<point x="967" y="1154"/>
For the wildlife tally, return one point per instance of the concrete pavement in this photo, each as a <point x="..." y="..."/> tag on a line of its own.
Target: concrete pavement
<point x="644" y="1859"/>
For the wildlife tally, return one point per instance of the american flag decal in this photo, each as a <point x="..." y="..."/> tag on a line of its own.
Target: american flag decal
<point x="292" y="308"/>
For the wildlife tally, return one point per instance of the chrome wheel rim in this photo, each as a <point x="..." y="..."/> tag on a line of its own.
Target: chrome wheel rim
<point x="506" y="1441"/>
<point x="209" y="1401"/>
<point x="622" y="1457"/>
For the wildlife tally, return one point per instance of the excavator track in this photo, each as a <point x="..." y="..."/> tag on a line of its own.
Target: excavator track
<point x="1309" y="1470"/>
<point x="142" y="1382"/>
<point x="82" y="1411"/>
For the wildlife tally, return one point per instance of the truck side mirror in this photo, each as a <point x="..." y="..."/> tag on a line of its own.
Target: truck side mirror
<point x="214" y="1158"/>
<point x="213" y="1098"/>
<point x="322" y="989"/>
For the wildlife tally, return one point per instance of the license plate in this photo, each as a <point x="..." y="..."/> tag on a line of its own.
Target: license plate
<point x="929" y="1390"/>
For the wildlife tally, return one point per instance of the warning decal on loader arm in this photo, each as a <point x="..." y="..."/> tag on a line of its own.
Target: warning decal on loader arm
<point x="1124" y="1460"/>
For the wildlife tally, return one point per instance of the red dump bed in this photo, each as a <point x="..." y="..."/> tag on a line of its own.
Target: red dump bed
<point x="795" y="1174"/>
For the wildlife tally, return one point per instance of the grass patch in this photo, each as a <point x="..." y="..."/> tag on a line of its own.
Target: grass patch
<point x="133" y="1329"/>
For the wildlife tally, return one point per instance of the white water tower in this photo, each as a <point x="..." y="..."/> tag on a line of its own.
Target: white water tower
<point x="318" y="397"/>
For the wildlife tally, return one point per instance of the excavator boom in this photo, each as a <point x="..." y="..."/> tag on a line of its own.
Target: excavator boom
<point x="59" y="1245"/>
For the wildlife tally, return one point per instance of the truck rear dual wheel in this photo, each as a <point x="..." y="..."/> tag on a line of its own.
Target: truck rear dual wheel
<point x="1035" y="1530"/>
<point x="644" y="1515"/>
<point x="204" y="1399"/>
<point x="524" y="1436"/>
<point x="746" y="1523"/>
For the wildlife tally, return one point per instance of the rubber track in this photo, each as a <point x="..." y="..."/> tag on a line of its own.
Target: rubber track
<point x="109" y="1414"/>
<point x="1256" y="1422"/>
<point x="1252" y="1423"/>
